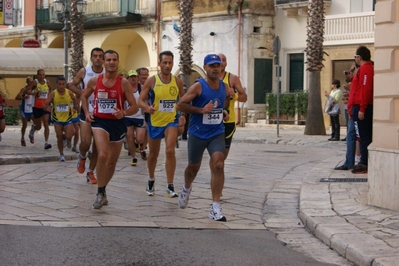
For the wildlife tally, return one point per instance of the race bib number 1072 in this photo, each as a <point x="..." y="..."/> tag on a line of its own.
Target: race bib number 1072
<point x="106" y="106"/>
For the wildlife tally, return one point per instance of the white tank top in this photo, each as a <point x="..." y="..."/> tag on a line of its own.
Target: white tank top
<point x="89" y="73"/>
<point x="139" y="113"/>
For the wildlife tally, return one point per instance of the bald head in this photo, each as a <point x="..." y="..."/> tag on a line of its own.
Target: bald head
<point x="224" y="61"/>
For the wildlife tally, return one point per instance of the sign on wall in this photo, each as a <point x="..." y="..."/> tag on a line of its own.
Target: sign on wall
<point x="30" y="43"/>
<point x="7" y="12"/>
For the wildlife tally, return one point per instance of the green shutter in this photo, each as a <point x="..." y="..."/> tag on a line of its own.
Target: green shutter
<point x="296" y="72"/>
<point x="263" y="79"/>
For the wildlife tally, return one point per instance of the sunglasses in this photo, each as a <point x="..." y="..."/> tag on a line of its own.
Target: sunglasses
<point x="356" y="56"/>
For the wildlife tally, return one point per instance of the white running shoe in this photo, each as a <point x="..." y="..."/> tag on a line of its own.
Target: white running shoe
<point x="62" y="158"/>
<point x="183" y="199"/>
<point x="216" y="213"/>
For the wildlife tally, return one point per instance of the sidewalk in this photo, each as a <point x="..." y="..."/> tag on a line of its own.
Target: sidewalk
<point x="336" y="213"/>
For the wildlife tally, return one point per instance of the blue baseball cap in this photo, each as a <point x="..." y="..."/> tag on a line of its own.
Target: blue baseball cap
<point x="212" y="59"/>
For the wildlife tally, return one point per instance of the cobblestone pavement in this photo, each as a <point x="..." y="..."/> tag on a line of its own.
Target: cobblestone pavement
<point x="272" y="182"/>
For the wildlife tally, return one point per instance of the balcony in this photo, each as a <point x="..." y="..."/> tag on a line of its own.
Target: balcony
<point x="293" y="8"/>
<point x="355" y="28"/>
<point x="98" y="14"/>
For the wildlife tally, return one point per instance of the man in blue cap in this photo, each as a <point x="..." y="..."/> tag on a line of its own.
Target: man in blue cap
<point x="207" y="101"/>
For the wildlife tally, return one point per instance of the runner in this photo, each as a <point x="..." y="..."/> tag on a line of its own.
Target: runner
<point x="40" y="116"/>
<point x="161" y="91"/>
<point x="207" y="101"/>
<point x="62" y="112"/>
<point x="110" y="92"/>
<point x="27" y="96"/>
<point x="135" y="123"/>
<point x="80" y="81"/>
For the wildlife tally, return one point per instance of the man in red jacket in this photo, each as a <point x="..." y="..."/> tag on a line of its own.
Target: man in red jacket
<point x="360" y="105"/>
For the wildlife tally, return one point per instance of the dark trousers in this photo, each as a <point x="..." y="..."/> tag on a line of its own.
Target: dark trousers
<point x="365" y="130"/>
<point x="335" y="126"/>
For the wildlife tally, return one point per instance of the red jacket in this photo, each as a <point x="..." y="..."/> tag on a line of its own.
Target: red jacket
<point x="362" y="88"/>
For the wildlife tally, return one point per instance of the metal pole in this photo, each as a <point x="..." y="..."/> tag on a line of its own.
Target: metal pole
<point x="278" y="99"/>
<point x="66" y="31"/>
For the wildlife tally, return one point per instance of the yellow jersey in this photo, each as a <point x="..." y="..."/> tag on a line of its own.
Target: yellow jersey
<point x="62" y="111"/>
<point x="163" y="97"/>
<point x="44" y="91"/>
<point x="232" y="115"/>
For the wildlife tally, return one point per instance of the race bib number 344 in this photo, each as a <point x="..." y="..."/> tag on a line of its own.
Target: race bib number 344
<point x="214" y="118"/>
<point x="106" y="106"/>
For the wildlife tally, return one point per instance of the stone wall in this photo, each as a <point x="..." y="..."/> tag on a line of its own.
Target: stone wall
<point x="383" y="175"/>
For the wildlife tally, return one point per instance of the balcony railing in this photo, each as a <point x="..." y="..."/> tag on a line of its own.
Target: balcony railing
<point x="103" y="8"/>
<point x="293" y="3"/>
<point x="349" y="29"/>
<point x="110" y="7"/>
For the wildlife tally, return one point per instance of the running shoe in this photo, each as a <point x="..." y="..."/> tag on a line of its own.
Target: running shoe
<point x="74" y="149"/>
<point x="134" y="162"/>
<point x="143" y="155"/>
<point x="81" y="164"/>
<point x="100" y="200"/>
<point x="150" y="188"/>
<point x="137" y="147"/>
<point x="32" y="134"/>
<point x="105" y="199"/>
<point x="125" y="145"/>
<point x="69" y="144"/>
<point x="216" y="213"/>
<point x="170" y="191"/>
<point x="23" y="143"/>
<point x="62" y="158"/>
<point x="47" y="146"/>
<point x="183" y="198"/>
<point x="64" y="143"/>
<point x="91" y="178"/>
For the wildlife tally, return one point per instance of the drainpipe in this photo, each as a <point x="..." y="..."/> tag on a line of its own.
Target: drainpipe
<point x="239" y="3"/>
<point x="158" y="33"/>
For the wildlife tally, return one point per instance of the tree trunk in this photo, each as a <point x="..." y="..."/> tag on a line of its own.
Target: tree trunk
<point x="76" y="39"/>
<point x="314" y="54"/>
<point x="186" y="40"/>
<point x="314" y="120"/>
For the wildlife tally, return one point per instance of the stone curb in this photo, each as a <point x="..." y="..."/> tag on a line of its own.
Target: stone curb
<point x="316" y="211"/>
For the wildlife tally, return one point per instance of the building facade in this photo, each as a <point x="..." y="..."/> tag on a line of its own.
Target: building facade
<point x="128" y="26"/>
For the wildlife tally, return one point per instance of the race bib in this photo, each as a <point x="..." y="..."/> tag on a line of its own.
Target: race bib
<point x="214" y="118"/>
<point x="62" y="108"/>
<point x="28" y="108"/>
<point x="43" y="95"/>
<point x="167" y="106"/>
<point x="106" y="106"/>
<point x="91" y="106"/>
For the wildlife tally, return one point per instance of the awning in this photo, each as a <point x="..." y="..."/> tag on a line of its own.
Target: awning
<point x="26" y="61"/>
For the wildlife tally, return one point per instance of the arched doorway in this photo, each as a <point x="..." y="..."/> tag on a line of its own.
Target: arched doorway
<point x="131" y="47"/>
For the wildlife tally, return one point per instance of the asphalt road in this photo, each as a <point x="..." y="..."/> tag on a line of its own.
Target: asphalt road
<point x="23" y="245"/>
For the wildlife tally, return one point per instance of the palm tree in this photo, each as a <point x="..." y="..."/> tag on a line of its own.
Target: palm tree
<point x="314" y="52"/>
<point x="77" y="49"/>
<point x="186" y="45"/>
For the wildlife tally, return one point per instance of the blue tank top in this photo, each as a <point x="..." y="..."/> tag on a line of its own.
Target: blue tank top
<point x="206" y="126"/>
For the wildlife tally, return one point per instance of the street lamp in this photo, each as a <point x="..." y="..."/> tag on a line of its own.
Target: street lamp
<point x="63" y="7"/>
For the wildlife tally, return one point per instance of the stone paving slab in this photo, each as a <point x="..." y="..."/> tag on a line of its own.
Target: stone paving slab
<point x="45" y="194"/>
<point x="343" y="220"/>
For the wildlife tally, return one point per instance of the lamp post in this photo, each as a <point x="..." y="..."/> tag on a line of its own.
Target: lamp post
<point x="64" y="7"/>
